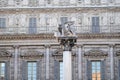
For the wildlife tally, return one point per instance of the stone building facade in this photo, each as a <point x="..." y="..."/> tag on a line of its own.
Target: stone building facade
<point x="30" y="51"/>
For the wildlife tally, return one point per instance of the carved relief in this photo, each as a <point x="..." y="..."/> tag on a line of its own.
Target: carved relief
<point x="95" y="1"/>
<point x="112" y="19"/>
<point x="58" y="54"/>
<point x="47" y="20"/>
<point x="33" y="3"/>
<point x="64" y="2"/>
<point x="80" y="20"/>
<point x="48" y="1"/>
<point x="118" y="53"/>
<point x="5" y="53"/>
<point x="95" y="53"/>
<point x="31" y="53"/>
<point x="3" y="3"/>
<point x="18" y="2"/>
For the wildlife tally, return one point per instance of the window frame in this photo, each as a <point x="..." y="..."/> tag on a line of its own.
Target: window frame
<point x="32" y="28"/>
<point x="60" y="70"/>
<point x="96" y="69"/>
<point x="2" y="23"/>
<point x="95" y="28"/>
<point x="32" y="70"/>
<point x="4" y="70"/>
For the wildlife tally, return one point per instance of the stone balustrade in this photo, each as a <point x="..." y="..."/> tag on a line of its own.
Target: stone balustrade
<point x="39" y="3"/>
<point x="53" y="29"/>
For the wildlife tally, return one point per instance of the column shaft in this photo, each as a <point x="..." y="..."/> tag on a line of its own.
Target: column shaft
<point x="15" y="62"/>
<point x="67" y="65"/>
<point x="80" y="62"/>
<point x="47" y="63"/>
<point x="111" y="62"/>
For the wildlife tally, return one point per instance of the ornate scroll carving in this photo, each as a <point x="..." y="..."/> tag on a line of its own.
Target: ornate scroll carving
<point x="96" y="53"/>
<point x="31" y="53"/>
<point x="118" y="53"/>
<point x="18" y="1"/>
<point x="58" y="54"/>
<point x="3" y="3"/>
<point x="5" y="53"/>
<point x="33" y="3"/>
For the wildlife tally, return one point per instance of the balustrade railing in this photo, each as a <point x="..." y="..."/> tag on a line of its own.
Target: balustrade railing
<point x="52" y="29"/>
<point x="54" y="3"/>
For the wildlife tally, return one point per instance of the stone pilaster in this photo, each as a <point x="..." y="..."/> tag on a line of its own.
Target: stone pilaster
<point x="80" y="62"/>
<point x="47" y="48"/>
<point x="16" y="51"/>
<point x="111" y="49"/>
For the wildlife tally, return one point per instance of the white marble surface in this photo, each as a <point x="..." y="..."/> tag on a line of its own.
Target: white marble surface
<point x="111" y="62"/>
<point x="67" y="65"/>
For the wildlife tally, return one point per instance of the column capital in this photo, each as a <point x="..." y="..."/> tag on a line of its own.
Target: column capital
<point x="67" y="42"/>
<point x="47" y="45"/>
<point x="80" y="45"/>
<point x="16" y="46"/>
<point x="111" y="45"/>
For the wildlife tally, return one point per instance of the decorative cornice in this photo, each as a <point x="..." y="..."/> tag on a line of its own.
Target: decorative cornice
<point x="99" y="36"/>
<point x="27" y="37"/>
<point x="51" y="36"/>
<point x="60" y="7"/>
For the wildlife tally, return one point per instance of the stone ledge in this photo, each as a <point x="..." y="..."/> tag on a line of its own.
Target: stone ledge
<point x="51" y="36"/>
<point x="99" y="36"/>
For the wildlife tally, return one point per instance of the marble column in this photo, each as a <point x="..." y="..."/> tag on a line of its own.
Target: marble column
<point x="67" y="43"/>
<point x="80" y="62"/>
<point x="16" y="62"/>
<point x="112" y="62"/>
<point x="67" y="65"/>
<point x="47" y="61"/>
